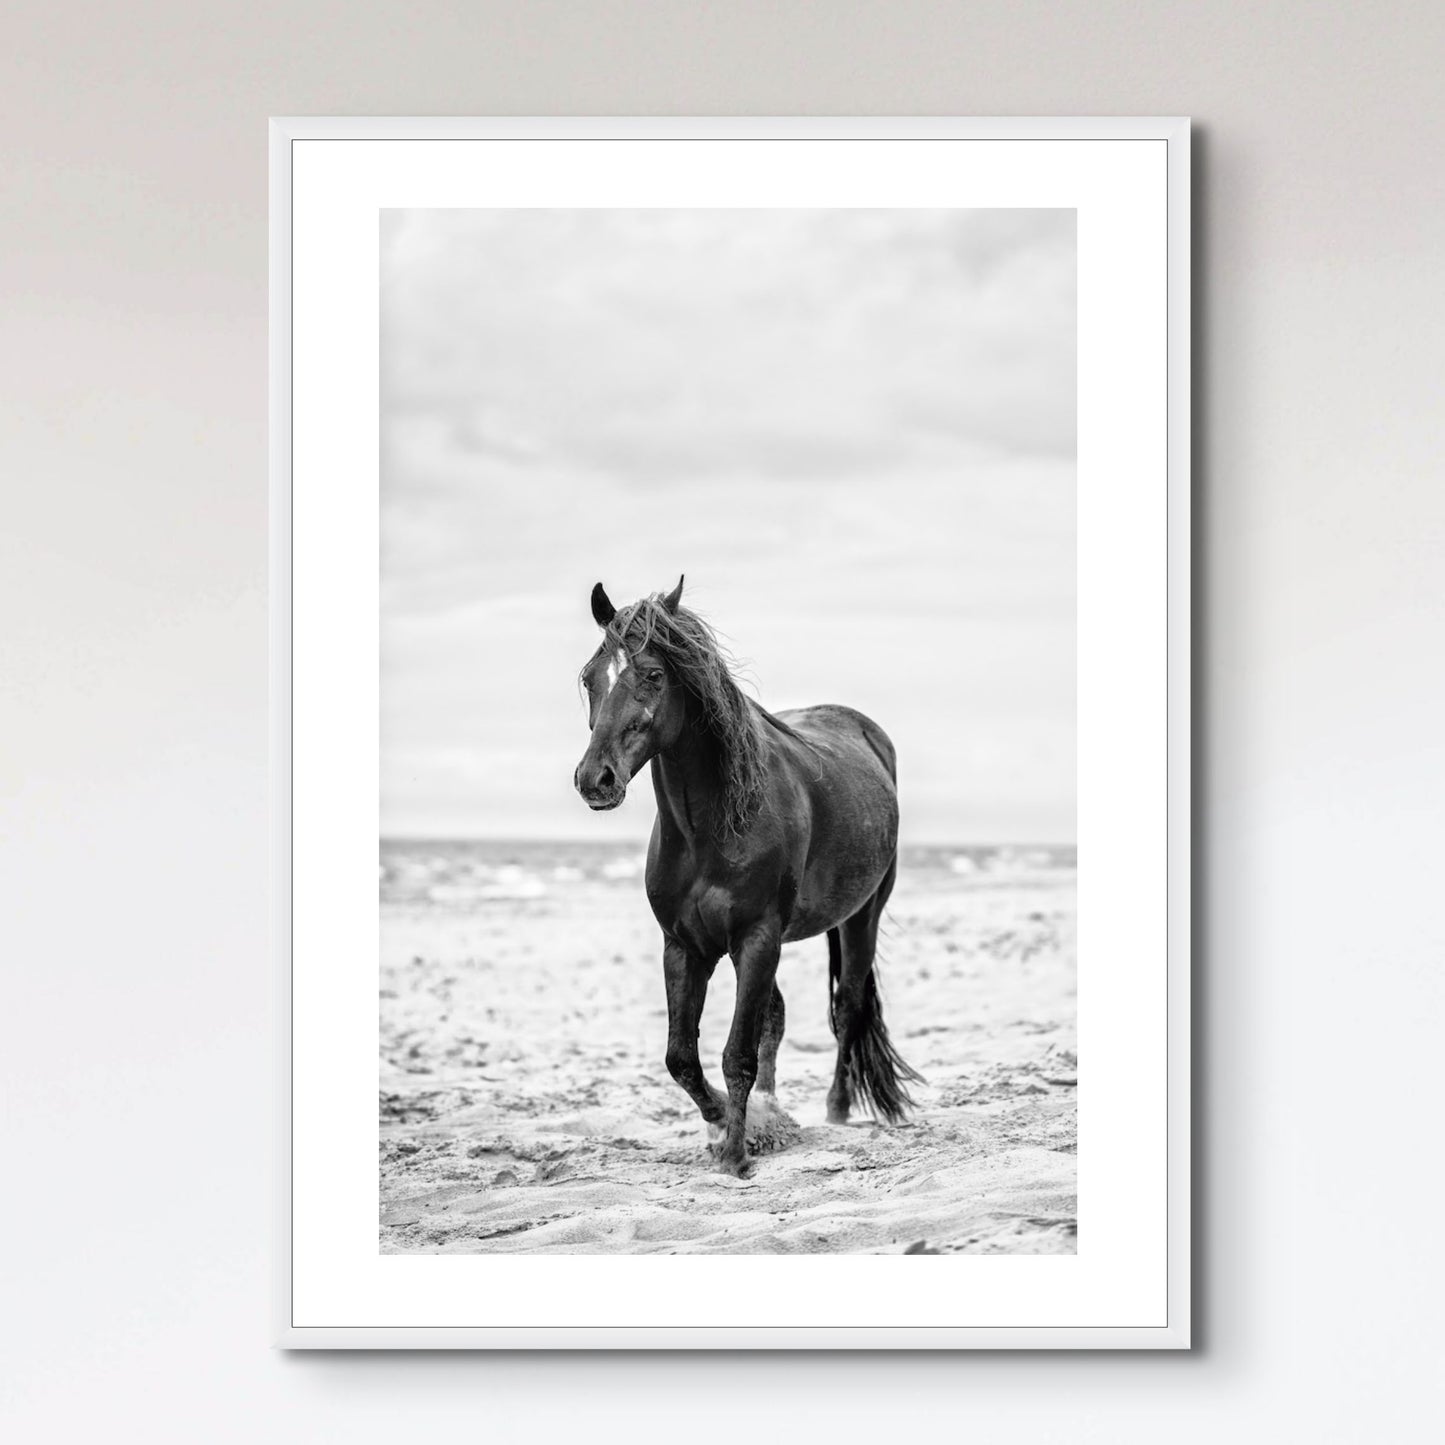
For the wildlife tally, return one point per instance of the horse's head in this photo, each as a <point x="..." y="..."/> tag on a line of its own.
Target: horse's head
<point x="635" y="705"/>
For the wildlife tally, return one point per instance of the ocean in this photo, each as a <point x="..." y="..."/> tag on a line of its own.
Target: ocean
<point x="470" y="874"/>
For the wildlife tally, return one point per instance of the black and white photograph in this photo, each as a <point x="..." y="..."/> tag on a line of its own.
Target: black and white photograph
<point x="721" y="722"/>
<point x="728" y="731"/>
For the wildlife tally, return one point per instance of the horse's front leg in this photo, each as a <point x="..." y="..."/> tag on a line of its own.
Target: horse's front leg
<point x="755" y="957"/>
<point x="774" y="1019"/>
<point x="686" y="976"/>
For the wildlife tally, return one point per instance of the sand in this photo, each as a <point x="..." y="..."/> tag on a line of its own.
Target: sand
<point x="525" y="1106"/>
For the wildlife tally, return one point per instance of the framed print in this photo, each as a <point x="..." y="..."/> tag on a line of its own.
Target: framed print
<point x="731" y="705"/>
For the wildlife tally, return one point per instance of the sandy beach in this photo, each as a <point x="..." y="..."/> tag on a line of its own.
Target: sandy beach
<point x="524" y="1105"/>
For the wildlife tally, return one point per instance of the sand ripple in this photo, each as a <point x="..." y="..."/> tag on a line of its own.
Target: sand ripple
<point x="524" y="1106"/>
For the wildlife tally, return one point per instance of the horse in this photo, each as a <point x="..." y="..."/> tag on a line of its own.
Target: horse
<point x="770" y="828"/>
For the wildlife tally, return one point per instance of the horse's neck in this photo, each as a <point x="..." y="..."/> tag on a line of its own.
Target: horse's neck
<point x="687" y="779"/>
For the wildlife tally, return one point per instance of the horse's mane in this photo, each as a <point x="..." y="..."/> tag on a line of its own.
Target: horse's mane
<point x="691" y="649"/>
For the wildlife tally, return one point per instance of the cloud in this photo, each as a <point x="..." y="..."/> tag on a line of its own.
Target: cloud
<point x="854" y="430"/>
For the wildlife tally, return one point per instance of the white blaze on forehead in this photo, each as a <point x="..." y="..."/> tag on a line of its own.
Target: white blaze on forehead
<point x="616" y="666"/>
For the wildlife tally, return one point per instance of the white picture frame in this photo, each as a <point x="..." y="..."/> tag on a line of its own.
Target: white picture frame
<point x="1129" y="1284"/>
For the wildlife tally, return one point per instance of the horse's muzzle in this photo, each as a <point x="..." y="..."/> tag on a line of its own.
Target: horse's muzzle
<point x="601" y="788"/>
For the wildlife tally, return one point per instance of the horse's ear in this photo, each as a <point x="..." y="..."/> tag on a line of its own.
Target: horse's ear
<point x="673" y="598"/>
<point x="602" y="609"/>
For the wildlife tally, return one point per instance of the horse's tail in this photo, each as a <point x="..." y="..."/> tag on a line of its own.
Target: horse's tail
<point x="877" y="1075"/>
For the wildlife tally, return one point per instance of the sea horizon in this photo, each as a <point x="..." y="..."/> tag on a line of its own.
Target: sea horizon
<point x="466" y="872"/>
<point x="574" y="840"/>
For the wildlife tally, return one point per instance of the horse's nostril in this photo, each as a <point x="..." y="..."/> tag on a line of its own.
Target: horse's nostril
<point x="605" y="778"/>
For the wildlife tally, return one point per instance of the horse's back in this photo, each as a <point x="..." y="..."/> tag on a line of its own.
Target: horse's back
<point x="835" y="728"/>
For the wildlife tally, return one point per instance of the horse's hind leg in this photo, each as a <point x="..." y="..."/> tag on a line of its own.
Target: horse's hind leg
<point x="850" y="961"/>
<point x="853" y="1001"/>
<point x="687" y="977"/>
<point x="773" y="1022"/>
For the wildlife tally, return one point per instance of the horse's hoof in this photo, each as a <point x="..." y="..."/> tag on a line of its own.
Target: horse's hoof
<point x="770" y="1127"/>
<point x="837" y="1116"/>
<point x="738" y="1168"/>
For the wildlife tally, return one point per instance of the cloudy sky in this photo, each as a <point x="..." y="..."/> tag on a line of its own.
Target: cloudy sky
<point x="853" y="430"/>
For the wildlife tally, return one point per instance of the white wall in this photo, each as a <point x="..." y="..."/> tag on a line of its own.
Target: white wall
<point x="136" y="1048"/>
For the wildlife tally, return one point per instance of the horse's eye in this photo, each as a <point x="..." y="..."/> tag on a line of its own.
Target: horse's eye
<point x="653" y="677"/>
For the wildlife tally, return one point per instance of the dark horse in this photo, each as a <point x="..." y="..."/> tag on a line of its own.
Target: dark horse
<point x="769" y="829"/>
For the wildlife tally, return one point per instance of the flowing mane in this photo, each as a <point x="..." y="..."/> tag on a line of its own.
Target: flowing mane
<point x="691" y="649"/>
